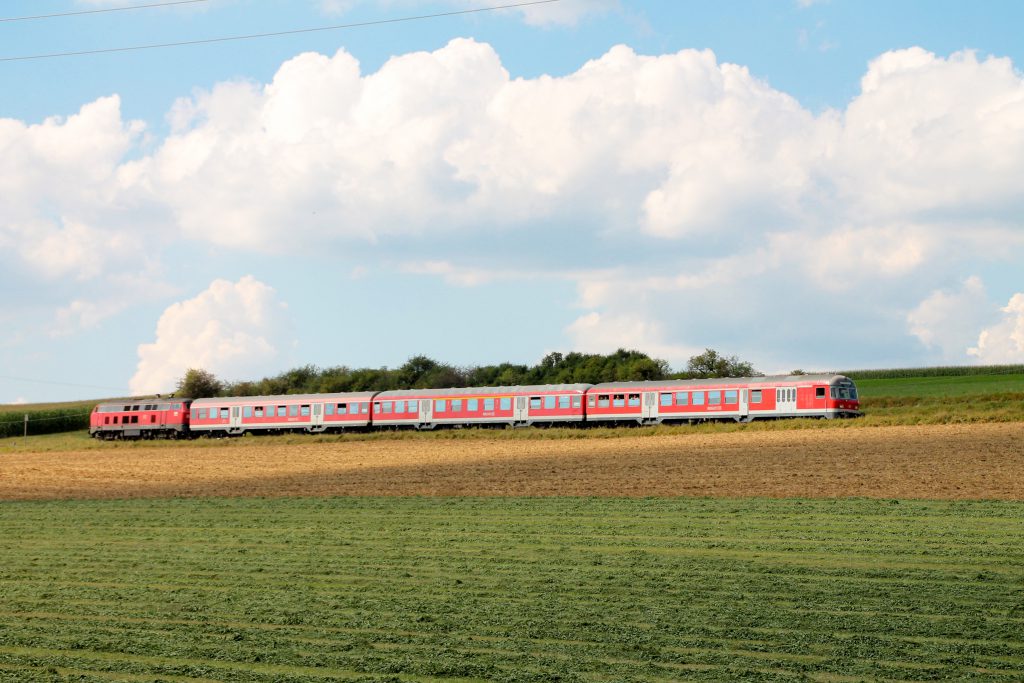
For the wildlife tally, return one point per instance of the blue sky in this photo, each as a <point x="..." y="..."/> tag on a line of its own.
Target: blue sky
<point x="805" y="184"/>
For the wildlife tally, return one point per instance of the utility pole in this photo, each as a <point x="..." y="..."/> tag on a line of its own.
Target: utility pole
<point x="26" y="425"/>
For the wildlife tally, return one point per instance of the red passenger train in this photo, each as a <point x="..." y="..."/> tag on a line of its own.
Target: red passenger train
<point x="657" y="402"/>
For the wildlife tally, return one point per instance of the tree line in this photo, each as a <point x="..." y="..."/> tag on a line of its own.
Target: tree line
<point x="422" y="372"/>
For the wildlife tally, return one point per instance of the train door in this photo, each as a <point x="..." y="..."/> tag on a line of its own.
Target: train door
<point x="650" y="409"/>
<point x="785" y="400"/>
<point x="744" y="403"/>
<point x="317" y="420"/>
<point x="236" y="419"/>
<point x="520" y="414"/>
<point x="426" y="410"/>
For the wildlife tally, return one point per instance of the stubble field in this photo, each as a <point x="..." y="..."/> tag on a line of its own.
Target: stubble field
<point x="972" y="461"/>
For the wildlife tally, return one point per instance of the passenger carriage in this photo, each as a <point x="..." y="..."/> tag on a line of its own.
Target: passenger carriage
<point x="312" y="413"/>
<point x="518" y="406"/>
<point x="737" y="398"/>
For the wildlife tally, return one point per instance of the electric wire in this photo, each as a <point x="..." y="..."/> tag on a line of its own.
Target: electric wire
<point x="100" y="11"/>
<point x="59" y="384"/>
<point x="253" y="36"/>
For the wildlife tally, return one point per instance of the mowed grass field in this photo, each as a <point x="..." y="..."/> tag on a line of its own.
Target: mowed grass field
<point x="511" y="589"/>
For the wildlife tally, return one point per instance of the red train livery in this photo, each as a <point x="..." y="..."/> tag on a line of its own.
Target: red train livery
<point x="144" y="419"/>
<point x="685" y="401"/>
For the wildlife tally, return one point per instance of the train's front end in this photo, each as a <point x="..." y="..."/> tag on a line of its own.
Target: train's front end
<point x="843" y="400"/>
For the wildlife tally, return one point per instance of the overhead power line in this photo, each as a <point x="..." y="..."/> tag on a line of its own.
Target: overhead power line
<point x="101" y="11"/>
<point x="59" y="384"/>
<point x="253" y="36"/>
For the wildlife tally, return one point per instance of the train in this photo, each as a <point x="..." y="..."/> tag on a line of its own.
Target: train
<point x="740" y="399"/>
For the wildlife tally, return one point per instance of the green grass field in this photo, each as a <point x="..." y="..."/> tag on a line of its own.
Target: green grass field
<point x="511" y="590"/>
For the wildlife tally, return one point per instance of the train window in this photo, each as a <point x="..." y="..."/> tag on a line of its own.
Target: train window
<point x="456" y="405"/>
<point x="304" y="411"/>
<point x="619" y="400"/>
<point x="115" y="419"/>
<point x="257" y="411"/>
<point x="152" y="419"/>
<point x="755" y="395"/>
<point x="731" y="396"/>
<point x="342" y="409"/>
<point x="223" y="413"/>
<point x="549" y="402"/>
<point x="602" y="401"/>
<point x="563" y="401"/>
<point x="202" y="413"/>
<point x="439" y="405"/>
<point x="473" y="405"/>
<point x="106" y="420"/>
<point x="666" y="399"/>
<point x="505" y="403"/>
<point x="714" y="398"/>
<point x="293" y="410"/>
<point x="634" y="400"/>
<point x="698" y="398"/>
<point x="247" y="411"/>
<point x="535" y="402"/>
<point x="328" y="409"/>
<point x="135" y="419"/>
<point x="682" y="398"/>
<point x="819" y="392"/>
<point x="591" y="401"/>
<point x="488" y="404"/>
<point x="576" y="401"/>
<point x="387" y="406"/>
<point x="282" y="411"/>
<point x="127" y="409"/>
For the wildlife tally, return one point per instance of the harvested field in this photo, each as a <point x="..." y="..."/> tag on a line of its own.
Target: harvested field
<point x="972" y="461"/>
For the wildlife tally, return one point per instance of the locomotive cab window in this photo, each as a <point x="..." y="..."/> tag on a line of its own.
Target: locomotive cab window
<point x="819" y="392"/>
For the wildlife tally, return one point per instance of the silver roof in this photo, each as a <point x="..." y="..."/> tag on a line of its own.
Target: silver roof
<point x="771" y="380"/>
<point x="484" y="391"/>
<point x="284" y="398"/>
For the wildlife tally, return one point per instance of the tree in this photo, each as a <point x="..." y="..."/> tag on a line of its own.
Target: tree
<point x="713" y="364"/>
<point x="199" y="383"/>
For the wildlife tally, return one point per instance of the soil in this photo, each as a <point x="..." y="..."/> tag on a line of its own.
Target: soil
<point x="982" y="461"/>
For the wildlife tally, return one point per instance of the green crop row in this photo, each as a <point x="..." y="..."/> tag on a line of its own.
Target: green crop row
<point x="409" y="589"/>
<point x="939" y="371"/>
<point x="12" y="423"/>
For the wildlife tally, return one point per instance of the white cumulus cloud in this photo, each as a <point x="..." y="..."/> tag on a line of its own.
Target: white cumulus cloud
<point x="233" y="329"/>
<point x="950" y="320"/>
<point x="1004" y="341"/>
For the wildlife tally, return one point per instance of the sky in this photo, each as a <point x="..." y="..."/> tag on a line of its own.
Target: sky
<point x="816" y="185"/>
